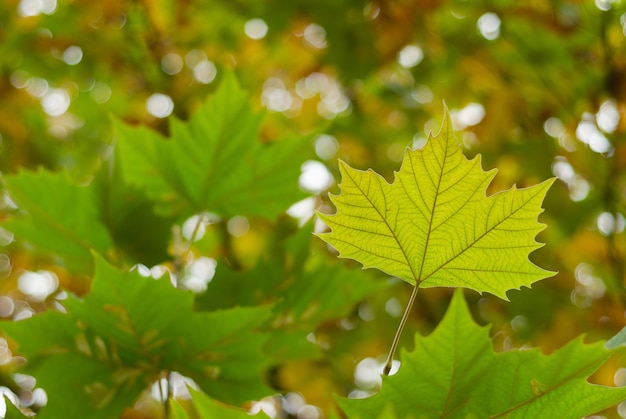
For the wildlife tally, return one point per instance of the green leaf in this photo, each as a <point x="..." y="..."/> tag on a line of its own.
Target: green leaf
<point x="455" y="373"/>
<point x="304" y="293"/>
<point x="435" y="226"/>
<point x="214" y="162"/>
<point x="205" y="407"/>
<point x="139" y="233"/>
<point x="96" y="359"/>
<point x="60" y="217"/>
<point x="68" y="220"/>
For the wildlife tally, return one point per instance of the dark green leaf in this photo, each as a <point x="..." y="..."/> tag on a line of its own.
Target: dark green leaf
<point x="454" y="373"/>
<point x="67" y="220"/>
<point x="98" y="357"/>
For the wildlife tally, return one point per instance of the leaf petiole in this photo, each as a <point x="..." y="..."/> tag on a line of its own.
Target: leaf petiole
<point x="396" y="338"/>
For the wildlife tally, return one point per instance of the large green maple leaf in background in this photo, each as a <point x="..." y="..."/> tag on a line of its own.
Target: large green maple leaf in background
<point x="214" y="162"/>
<point x="435" y="226"/>
<point x="455" y="373"/>
<point x="96" y="359"/>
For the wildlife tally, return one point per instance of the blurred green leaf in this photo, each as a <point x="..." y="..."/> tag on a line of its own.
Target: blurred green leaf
<point x="60" y="217"/>
<point x="303" y="292"/>
<point x="455" y="373"/>
<point x="67" y="220"/>
<point x="137" y="231"/>
<point x="205" y="407"/>
<point x="215" y="162"/>
<point x="96" y="359"/>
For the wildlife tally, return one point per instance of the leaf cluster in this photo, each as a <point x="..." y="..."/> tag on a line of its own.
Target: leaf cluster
<point x="96" y="353"/>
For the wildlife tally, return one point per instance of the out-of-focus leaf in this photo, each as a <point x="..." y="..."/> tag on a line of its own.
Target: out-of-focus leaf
<point x="215" y="162"/>
<point x="61" y="217"/>
<point x="434" y="225"/>
<point x="67" y="220"/>
<point x="303" y="293"/>
<point x="96" y="359"/>
<point x="138" y="233"/>
<point x="205" y="407"/>
<point x="454" y="373"/>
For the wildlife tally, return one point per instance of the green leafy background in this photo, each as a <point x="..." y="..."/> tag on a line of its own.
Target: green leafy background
<point x="540" y="95"/>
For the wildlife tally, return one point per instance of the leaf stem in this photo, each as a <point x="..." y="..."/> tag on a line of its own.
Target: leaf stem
<point x="165" y="394"/>
<point x="396" y="338"/>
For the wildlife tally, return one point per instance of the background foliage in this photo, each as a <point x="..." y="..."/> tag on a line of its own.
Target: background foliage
<point x="538" y="88"/>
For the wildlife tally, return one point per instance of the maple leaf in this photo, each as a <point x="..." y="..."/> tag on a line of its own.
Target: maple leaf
<point x="96" y="359"/>
<point x="455" y="373"/>
<point x="434" y="225"/>
<point x="215" y="161"/>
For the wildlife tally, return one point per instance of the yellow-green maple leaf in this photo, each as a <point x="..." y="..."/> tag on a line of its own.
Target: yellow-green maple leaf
<point x="435" y="226"/>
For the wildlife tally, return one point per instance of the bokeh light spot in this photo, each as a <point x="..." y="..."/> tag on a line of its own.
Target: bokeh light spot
<point x="419" y="141"/>
<point x="255" y="28"/>
<point x="204" y="71"/>
<point x="588" y="133"/>
<point x="37" y="87"/>
<point x="72" y="55"/>
<point x="266" y="405"/>
<point x="193" y="228"/>
<point x="563" y="170"/>
<point x="607" y="117"/>
<point x="28" y="8"/>
<point x="160" y="105"/>
<point x="315" y="177"/>
<point x="238" y="226"/>
<point x="37" y="285"/>
<point x="604" y="5"/>
<point x="7" y="306"/>
<point x="367" y="374"/>
<point x="55" y="102"/>
<point x="470" y="115"/>
<point x="422" y="94"/>
<point x="6" y="237"/>
<point x="275" y="96"/>
<point x="199" y="273"/>
<point x="410" y="56"/>
<point x="326" y="146"/>
<point x="608" y="223"/>
<point x="620" y="377"/>
<point x="315" y="36"/>
<point x="308" y="411"/>
<point x="553" y="127"/>
<point x="489" y="26"/>
<point x="101" y="92"/>
<point x="579" y="189"/>
<point x="172" y="63"/>
<point x="393" y="307"/>
<point x="302" y="210"/>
